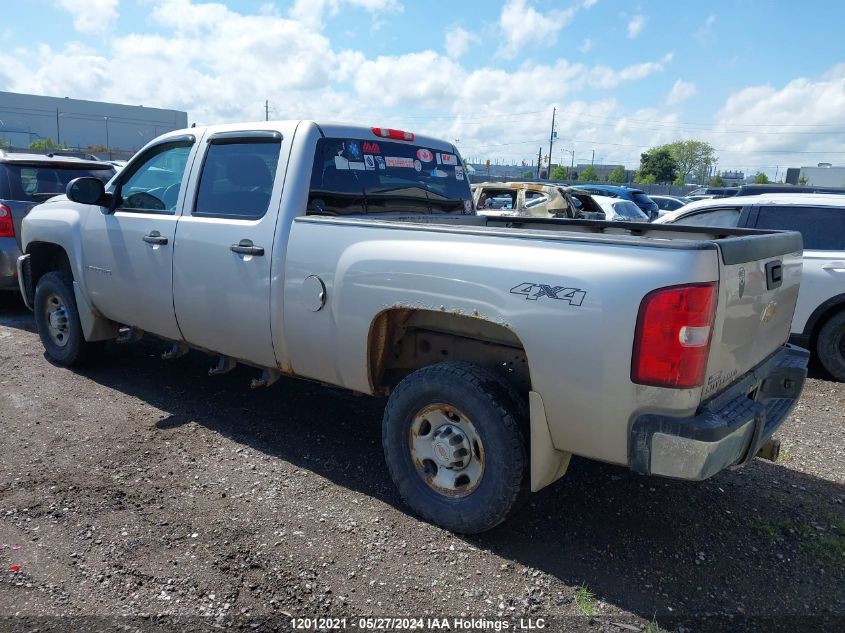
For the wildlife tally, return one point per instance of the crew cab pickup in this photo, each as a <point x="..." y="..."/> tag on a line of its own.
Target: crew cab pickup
<point x="353" y="256"/>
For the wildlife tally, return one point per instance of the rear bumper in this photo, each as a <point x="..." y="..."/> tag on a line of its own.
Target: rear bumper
<point x="9" y="253"/>
<point x="728" y="430"/>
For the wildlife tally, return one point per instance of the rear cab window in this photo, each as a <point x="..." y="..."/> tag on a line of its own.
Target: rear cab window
<point x="35" y="182"/>
<point x="723" y="217"/>
<point x="356" y="176"/>
<point x="823" y="228"/>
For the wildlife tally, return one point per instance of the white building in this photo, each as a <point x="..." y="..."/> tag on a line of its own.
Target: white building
<point x="823" y="175"/>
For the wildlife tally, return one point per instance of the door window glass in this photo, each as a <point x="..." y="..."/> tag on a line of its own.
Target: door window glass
<point x="823" y="228"/>
<point x="237" y="178"/>
<point x="152" y="184"/>
<point x="716" y="217"/>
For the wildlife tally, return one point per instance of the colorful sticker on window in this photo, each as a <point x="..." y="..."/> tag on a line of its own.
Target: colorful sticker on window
<point x="398" y="161"/>
<point x="369" y="161"/>
<point x="380" y="162"/>
<point x="371" y="148"/>
<point x="425" y="155"/>
<point x="438" y="173"/>
<point x="449" y="159"/>
<point x="459" y="172"/>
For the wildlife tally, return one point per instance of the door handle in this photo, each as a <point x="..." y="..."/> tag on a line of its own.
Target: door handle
<point x="154" y="237"/>
<point x="839" y="266"/>
<point x="246" y="247"/>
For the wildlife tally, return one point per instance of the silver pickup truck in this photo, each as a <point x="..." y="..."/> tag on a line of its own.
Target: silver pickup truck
<point x="353" y="256"/>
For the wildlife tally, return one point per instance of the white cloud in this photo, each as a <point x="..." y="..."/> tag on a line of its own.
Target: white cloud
<point x="521" y="24"/>
<point x="635" y="25"/>
<point x="457" y="42"/>
<point x="312" y="12"/>
<point x="586" y="45"/>
<point x="705" y="32"/>
<point x="91" y="16"/>
<point x="680" y="92"/>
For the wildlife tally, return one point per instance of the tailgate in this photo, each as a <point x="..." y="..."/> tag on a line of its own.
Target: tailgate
<point x="759" y="276"/>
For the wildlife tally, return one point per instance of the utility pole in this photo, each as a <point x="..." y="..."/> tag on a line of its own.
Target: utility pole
<point x="593" y="159"/>
<point x="266" y="109"/>
<point x="551" y="142"/>
<point x="539" y="161"/>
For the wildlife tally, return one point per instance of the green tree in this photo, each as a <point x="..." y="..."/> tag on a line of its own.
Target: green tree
<point x="659" y="162"/>
<point x="718" y="181"/>
<point x="680" y="180"/>
<point x="528" y="174"/>
<point x="802" y="180"/>
<point x="45" y="144"/>
<point x="761" y="179"/>
<point x="617" y="175"/>
<point x="589" y="174"/>
<point x="559" y="173"/>
<point x="692" y="157"/>
<point x="644" y="179"/>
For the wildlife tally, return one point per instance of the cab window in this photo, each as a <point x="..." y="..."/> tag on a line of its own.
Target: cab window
<point x="725" y="218"/>
<point x="152" y="184"/>
<point x="823" y="228"/>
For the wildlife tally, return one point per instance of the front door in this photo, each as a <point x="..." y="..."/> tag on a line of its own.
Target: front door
<point x="224" y="245"/>
<point x="129" y="253"/>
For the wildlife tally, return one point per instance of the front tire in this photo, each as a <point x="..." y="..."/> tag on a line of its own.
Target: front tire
<point x="453" y="446"/>
<point x="57" y="320"/>
<point x="830" y="346"/>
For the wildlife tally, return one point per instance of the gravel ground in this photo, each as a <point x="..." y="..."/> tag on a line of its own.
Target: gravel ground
<point x="139" y="486"/>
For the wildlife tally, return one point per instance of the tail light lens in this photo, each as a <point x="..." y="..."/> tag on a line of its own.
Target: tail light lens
<point x="398" y="135"/>
<point x="7" y="229"/>
<point x="672" y="339"/>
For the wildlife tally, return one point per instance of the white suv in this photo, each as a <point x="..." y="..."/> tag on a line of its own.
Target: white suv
<point x="819" y="322"/>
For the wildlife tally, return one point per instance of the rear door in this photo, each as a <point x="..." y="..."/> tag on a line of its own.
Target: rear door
<point x="823" y="229"/>
<point x="128" y="253"/>
<point x="224" y="245"/>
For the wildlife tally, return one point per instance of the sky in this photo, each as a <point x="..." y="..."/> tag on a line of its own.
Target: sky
<point x="761" y="81"/>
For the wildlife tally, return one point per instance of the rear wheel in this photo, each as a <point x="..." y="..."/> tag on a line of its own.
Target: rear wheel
<point x="830" y="346"/>
<point x="454" y="448"/>
<point x="57" y="320"/>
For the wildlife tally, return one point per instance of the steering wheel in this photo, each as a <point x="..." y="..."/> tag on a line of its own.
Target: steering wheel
<point x="144" y="200"/>
<point x="171" y="195"/>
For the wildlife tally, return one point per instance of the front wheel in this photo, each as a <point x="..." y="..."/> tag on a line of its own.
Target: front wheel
<point x="453" y="445"/>
<point x="57" y="320"/>
<point x="830" y="346"/>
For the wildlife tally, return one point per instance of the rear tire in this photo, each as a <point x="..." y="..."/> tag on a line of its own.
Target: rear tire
<point x="57" y="320"/>
<point x="453" y="446"/>
<point x="830" y="346"/>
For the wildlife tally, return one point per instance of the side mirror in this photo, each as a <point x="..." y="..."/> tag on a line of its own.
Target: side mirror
<point x="88" y="190"/>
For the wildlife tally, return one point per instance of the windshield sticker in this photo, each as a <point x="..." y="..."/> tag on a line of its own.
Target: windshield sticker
<point x="358" y="166"/>
<point x="369" y="162"/>
<point x="425" y="155"/>
<point x="438" y="173"/>
<point x="449" y="159"/>
<point x="341" y="163"/>
<point x="398" y="161"/>
<point x="417" y="165"/>
<point x="459" y="173"/>
<point x="380" y="162"/>
<point x="467" y="206"/>
<point x="371" y="148"/>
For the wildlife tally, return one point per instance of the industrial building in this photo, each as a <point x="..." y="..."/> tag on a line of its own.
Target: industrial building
<point x="109" y="130"/>
<point x="822" y="175"/>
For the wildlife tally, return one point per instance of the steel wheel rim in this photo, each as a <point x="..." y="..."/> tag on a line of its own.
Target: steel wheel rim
<point x="446" y="450"/>
<point x="56" y="317"/>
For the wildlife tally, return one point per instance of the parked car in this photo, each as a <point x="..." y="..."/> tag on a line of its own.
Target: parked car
<point x="534" y="199"/>
<point x="756" y="190"/>
<point x="668" y="203"/>
<point x="819" y="322"/>
<point x="637" y="196"/>
<point x="25" y="180"/>
<point x="352" y="256"/>
<point x="619" y="210"/>
<point x="708" y="193"/>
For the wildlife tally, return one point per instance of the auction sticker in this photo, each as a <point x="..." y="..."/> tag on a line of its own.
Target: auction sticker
<point x="398" y="161"/>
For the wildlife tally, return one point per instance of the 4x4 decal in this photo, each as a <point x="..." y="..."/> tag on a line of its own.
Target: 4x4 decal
<point x="533" y="292"/>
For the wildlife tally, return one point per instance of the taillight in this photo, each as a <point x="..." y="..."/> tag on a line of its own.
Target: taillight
<point x="399" y="135"/>
<point x="7" y="229"/>
<point x="672" y="339"/>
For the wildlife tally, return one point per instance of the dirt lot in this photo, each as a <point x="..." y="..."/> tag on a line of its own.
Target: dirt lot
<point x="139" y="486"/>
